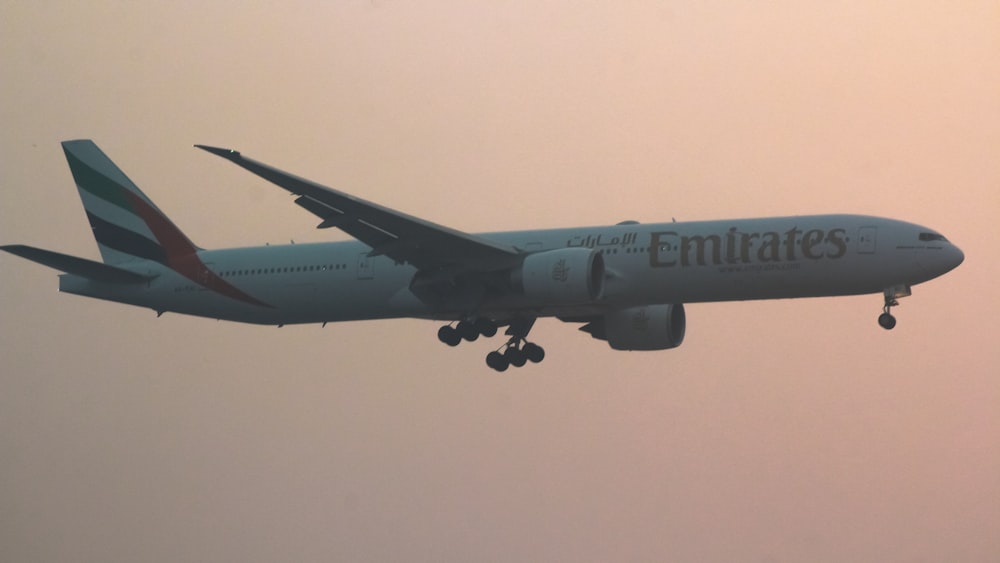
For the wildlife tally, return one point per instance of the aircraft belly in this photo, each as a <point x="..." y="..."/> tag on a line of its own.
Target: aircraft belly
<point x="344" y="298"/>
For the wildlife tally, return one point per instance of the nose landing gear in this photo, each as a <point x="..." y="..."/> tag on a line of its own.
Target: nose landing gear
<point x="886" y="320"/>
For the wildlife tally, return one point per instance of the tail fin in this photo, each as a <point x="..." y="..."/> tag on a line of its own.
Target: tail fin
<point x="126" y="224"/>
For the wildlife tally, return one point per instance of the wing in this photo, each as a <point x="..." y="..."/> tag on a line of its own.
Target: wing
<point x="404" y="238"/>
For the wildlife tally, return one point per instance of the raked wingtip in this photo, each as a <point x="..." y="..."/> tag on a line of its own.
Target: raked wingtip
<point x="224" y="153"/>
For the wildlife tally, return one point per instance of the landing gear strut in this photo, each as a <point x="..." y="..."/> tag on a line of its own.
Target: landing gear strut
<point x="449" y="335"/>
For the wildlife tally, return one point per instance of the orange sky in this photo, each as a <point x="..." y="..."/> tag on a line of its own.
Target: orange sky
<point x="779" y="431"/>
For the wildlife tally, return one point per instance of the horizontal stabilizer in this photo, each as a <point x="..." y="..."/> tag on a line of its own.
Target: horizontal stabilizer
<point x="82" y="267"/>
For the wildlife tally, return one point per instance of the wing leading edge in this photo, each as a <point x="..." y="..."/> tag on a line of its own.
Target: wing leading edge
<point x="404" y="238"/>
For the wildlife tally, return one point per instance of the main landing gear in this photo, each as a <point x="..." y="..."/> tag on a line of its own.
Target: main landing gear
<point x="516" y="352"/>
<point x="466" y="330"/>
<point x="886" y="320"/>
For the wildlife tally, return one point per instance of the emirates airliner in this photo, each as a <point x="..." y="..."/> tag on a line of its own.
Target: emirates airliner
<point x="626" y="284"/>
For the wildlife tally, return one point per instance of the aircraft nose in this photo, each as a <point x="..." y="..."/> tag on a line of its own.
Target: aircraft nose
<point x="941" y="260"/>
<point x="955" y="257"/>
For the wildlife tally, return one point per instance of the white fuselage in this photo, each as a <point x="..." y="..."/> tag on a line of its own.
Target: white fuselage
<point x="784" y="257"/>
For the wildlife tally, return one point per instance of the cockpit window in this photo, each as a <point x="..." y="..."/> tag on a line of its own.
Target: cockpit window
<point x="932" y="236"/>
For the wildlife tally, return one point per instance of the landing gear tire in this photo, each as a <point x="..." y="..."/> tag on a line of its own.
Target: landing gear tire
<point x="497" y="361"/>
<point x="468" y="331"/>
<point x="486" y="327"/>
<point x="886" y="321"/>
<point x="516" y="357"/>
<point x="533" y="352"/>
<point x="449" y="335"/>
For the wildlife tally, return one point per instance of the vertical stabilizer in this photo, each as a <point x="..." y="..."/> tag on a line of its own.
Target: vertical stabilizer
<point x="126" y="224"/>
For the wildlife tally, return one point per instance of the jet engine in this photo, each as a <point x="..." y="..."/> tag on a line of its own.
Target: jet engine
<point x="567" y="276"/>
<point x="650" y="327"/>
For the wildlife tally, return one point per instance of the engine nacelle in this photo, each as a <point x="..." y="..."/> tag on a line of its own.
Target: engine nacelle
<point x="651" y="327"/>
<point x="567" y="276"/>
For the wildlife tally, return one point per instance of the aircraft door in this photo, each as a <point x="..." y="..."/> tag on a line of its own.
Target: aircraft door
<point x="866" y="240"/>
<point x="366" y="270"/>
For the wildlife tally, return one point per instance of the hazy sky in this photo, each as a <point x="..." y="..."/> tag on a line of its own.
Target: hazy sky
<point x="780" y="431"/>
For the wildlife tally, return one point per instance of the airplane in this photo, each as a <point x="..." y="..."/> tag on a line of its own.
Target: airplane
<point x="625" y="284"/>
